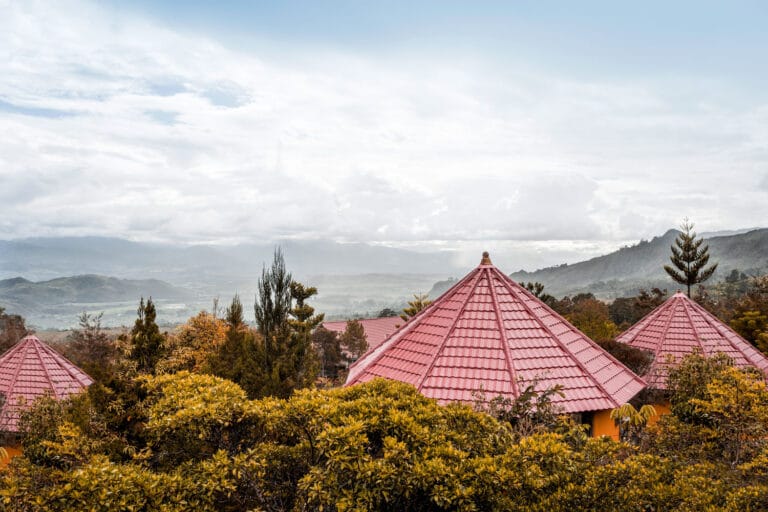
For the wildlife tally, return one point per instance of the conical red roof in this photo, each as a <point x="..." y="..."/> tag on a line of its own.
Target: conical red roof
<point x="679" y="327"/>
<point x="488" y="334"/>
<point x="31" y="369"/>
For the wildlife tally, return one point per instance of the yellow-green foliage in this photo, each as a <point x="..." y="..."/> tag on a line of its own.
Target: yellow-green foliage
<point x="192" y="344"/>
<point x="203" y="445"/>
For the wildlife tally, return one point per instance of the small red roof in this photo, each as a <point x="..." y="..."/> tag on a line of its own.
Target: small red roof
<point x="377" y="330"/>
<point x="679" y="327"/>
<point x="488" y="334"/>
<point x="29" y="370"/>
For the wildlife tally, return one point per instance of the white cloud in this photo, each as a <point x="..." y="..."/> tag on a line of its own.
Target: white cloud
<point x="112" y="124"/>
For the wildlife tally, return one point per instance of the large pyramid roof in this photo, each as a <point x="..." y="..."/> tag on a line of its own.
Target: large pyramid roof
<point x="488" y="334"/>
<point x="31" y="369"/>
<point x="680" y="327"/>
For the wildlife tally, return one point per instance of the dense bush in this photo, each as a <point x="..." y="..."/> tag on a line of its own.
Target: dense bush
<point x="383" y="446"/>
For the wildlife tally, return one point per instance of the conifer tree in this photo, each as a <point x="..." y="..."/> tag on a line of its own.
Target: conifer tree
<point x="328" y="348"/>
<point x="300" y="364"/>
<point x="240" y="357"/>
<point x="89" y="346"/>
<point x="689" y="258"/>
<point x="285" y="322"/>
<point x="354" y="339"/>
<point x="12" y="329"/>
<point x="537" y="289"/>
<point x="147" y="342"/>
<point x="273" y="305"/>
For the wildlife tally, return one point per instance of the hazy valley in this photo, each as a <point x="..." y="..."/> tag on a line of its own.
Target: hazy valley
<point x="51" y="280"/>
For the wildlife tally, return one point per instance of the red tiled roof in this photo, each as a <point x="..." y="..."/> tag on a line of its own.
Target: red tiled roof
<point x="679" y="327"/>
<point x="31" y="369"/>
<point x="377" y="330"/>
<point x="488" y="334"/>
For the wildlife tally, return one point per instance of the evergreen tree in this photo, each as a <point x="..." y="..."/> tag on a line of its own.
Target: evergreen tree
<point x="285" y="322"/>
<point x="273" y="305"/>
<point x="299" y="362"/>
<point x="89" y="346"/>
<point x="239" y="358"/>
<point x="147" y="342"/>
<point x="354" y="340"/>
<point x="689" y="258"/>
<point x="537" y="289"/>
<point x="386" y="313"/>
<point x="12" y="329"/>
<point x="327" y="345"/>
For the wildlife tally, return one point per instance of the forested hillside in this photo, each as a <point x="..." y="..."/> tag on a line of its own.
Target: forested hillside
<point x="624" y="272"/>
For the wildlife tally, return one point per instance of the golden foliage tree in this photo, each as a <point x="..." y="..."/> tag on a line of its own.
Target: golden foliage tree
<point x="420" y="301"/>
<point x="192" y="344"/>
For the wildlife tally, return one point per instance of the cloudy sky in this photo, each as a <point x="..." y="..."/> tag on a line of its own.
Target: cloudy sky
<point x="528" y="126"/>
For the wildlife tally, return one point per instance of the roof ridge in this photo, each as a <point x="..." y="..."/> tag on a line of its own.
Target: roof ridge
<point x="654" y="363"/>
<point x="16" y="372"/>
<point x="504" y="340"/>
<point x="66" y="364"/>
<point x="9" y="353"/>
<point x="45" y="369"/>
<point x="693" y="326"/>
<point x="567" y="351"/>
<point x="641" y="324"/>
<point x="450" y="330"/>
<point x="708" y="317"/>
<point x="666" y="328"/>
<point x="405" y="328"/>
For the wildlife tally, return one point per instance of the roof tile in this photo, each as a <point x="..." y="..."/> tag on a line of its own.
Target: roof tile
<point x="679" y="327"/>
<point x="31" y="369"/>
<point x="489" y="334"/>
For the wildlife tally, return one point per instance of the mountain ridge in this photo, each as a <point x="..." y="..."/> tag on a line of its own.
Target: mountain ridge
<point x="71" y="295"/>
<point x="624" y="271"/>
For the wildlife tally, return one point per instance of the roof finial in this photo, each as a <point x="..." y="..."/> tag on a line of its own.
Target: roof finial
<point x="486" y="259"/>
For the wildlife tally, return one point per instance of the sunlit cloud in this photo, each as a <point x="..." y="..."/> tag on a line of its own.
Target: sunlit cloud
<point x="114" y="124"/>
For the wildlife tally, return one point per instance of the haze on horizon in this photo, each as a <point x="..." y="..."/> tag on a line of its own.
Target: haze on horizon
<point x="539" y="129"/>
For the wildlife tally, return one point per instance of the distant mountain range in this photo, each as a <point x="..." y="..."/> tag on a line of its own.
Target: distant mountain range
<point x="85" y="289"/>
<point x="623" y="272"/>
<point x="46" y="258"/>
<point x="352" y="279"/>
<point x="66" y="297"/>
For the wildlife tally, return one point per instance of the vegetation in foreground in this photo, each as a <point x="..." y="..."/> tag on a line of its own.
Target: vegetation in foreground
<point x="189" y="441"/>
<point x="219" y="416"/>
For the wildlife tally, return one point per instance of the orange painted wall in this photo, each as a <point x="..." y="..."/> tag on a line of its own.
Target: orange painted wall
<point x="13" y="451"/>
<point x="661" y="410"/>
<point x="603" y="425"/>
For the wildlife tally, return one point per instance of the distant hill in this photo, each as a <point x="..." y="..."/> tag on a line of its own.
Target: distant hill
<point x="352" y="279"/>
<point x="441" y="287"/>
<point x="622" y="272"/>
<point x="71" y="295"/>
<point x="187" y="265"/>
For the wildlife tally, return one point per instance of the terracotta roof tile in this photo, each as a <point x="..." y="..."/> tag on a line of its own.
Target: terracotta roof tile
<point x="679" y="327"/>
<point x="31" y="369"/>
<point x="488" y="334"/>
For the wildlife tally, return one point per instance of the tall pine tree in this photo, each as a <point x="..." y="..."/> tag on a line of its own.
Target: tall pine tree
<point x="689" y="258"/>
<point x="147" y="342"/>
<point x="285" y="322"/>
<point x="273" y="305"/>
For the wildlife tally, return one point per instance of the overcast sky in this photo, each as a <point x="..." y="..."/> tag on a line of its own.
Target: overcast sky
<point x="531" y="125"/>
